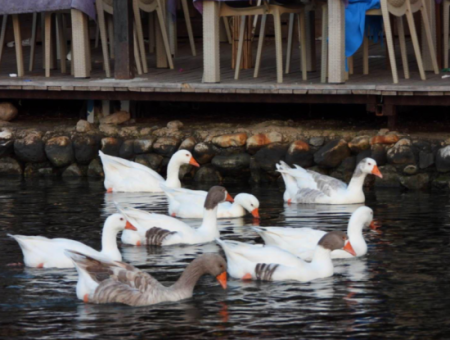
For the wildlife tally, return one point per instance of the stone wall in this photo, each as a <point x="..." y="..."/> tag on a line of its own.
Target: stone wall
<point x="227" y="154"/>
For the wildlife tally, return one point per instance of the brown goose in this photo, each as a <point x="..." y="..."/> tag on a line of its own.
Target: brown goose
<point x="102" y="281"/>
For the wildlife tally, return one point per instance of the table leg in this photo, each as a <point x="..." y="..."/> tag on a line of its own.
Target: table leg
<point x="80" y="46"/>
<point x="211" y="48"/>
<point x="431" y="11"/>
<point x="336" y="41"/>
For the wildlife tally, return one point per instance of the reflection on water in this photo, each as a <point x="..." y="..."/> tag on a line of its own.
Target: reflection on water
<point x="399" y="290"/>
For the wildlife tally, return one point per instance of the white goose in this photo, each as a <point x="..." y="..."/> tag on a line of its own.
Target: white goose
<point x="162" y="230"/>
<point x="122" y="175"/>
<point x="302" y="241"/>
<point x="186" y="203"/>
<point x="306" y="186"/>
<point x="269" y="263"/>
<point x="43" y="252"/>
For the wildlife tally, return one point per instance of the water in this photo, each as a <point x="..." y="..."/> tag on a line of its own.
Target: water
<point x="399" y="290"/>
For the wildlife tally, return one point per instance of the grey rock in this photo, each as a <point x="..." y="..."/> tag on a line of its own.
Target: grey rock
<point x="84" y="126"/>
<point x="400" y="155"/>
<point x="7" y="111"/>
<point x="378" y="153"/>
<point x="426" y="159"/>
<point x="442" y="181"/>
<point x="359" y="144"/>
<point x="151" y="160"/>
<point x="203" y="153"/>
<point x="95" y="169"/>
<point x="129" y="132"/>
<point x="237" y="165"/>
<point x="332" y="154"/>
<point x="6" y="147"/>
<point x="175" y="125"/>
<point x="390" y="177"/>
<point x="410" y="170"/>
<point x="416" y="182"/>
<point x="256" y="142"/>
<point x="111" y="146"/>
<point x="127" y="149"/>
<point x="299" y="153"/>
<point x="72" y="171"/>
<point x="30" y="149"/>
<point x="109" y="130"/>
<point x="188" y="144"/>
<point x="10" y="166"/>
<point x="269" y="155"/>
<point x="208" y="174"/>
<point x="6" y="134"/>
<point x="316" y="141"/>
<point x="39" y="170"/>
<point x="85" y="148"/>
<point x="143" y="145"/>
<point x="59" y="151"/>
<point x="116" y="118"/>
<point x="166" y="146"/>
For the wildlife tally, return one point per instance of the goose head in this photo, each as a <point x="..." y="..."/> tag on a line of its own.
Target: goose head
<point x="368" y="166"/>
<point x="249" y="203"/>
<point x="216" y="195"/>
<point x="361" y="218"/>
<point x="184" y="157"/>
<point x="336" y="240"/>
<point x="117" y="223"/>
<point x="215" y="265"/>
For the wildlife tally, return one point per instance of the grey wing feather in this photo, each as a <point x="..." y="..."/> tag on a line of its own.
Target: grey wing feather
<point x="155" y="236"/>
<point x="264" y="271"/>
<point x="327" y="184"/>
<point x="307" y="195"/>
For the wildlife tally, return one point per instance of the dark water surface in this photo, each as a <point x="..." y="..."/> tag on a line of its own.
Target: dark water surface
<point x="399" y="290"/>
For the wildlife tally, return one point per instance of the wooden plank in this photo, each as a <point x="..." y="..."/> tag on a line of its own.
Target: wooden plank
<point x="54" y="88"/>
<point x="388" y="93"/>
<point x="302" y="91"/>
<point x="81" y="88"/>
<point x="123" y="39"/>
<point x="147" y="89"/>
<point x="14" y="87"/>
<point x="406" y="93"/>
<point x="435" y="93"/>
<point x="123" y="89"/>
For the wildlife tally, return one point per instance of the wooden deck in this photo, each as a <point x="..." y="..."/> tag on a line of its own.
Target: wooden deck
<point x="185" y="82"/>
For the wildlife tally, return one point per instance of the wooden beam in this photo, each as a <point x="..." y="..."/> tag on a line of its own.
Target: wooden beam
<point x="123" y="39"/>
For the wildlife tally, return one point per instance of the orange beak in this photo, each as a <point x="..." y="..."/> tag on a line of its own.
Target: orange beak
<point x="129" y="226"/>
<point x="376" y="172"/>
<point x="194" y="162"/>
<point x="255" y="213"/>
<point x="349" y="249"/>
<point x="222" y="278"/>
<point x="374" y="225"/>
<point x="229" y="198"/>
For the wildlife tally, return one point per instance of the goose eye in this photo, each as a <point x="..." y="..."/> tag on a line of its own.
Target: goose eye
<point x="187" y="155"/>
<point x="369" y="163"/>
<point x="121" y="219"/>
<point x="251" y="205"/>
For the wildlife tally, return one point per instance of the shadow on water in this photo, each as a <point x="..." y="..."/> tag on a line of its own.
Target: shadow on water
<point x="399" y="290"/>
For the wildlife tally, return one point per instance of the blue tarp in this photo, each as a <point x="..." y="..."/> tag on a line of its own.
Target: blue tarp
<point x="355" y="24"/>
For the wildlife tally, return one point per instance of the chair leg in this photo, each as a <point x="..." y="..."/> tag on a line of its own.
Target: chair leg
<point x="278" y="46"/>
<point x="366" y="55"/>
<point x="140" y="34"/>
<point x="240" y="45"/>
<point x="165" y="37"/>
<point x="446" y="10"/>
<point x="2" y="35"/>
<point x="401" y="37"/>
<point x="303" y="44"/>
<point x="429" y="37"/>
<point x="187" y="18"/>
<point x="260" y="45"/>
<point x="350" y="65"/>
<point x="390" y="41"/>
<point x="103" y="38"/>
<point x="62" y="43"/>
<point x="48" y="42"/>
<point x="137" y="57"/>
<point x="289" y="42"/>
<point x="415" y="41"/>
<point x="109" y="22"/>
<point x="151" y="32"/>
<point x="324" y="56"/>
<point x="33" y="42"/>
<point x="18" y="45"/>
<point x="227" y="30"/>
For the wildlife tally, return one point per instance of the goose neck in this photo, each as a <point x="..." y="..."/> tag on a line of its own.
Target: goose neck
<point x="187" y="281"/>
<point x="173" y="169"/>
<point x="109" y="242"/>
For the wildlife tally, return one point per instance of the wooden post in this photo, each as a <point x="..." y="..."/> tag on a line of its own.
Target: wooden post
<point x="247" y="59"/>
<point x="336" y="41"/>
<point x="211" y="51"/>
<point x="80" y="46"/>
<point x="123" y="40"/>
<point x="431" y="11"/>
